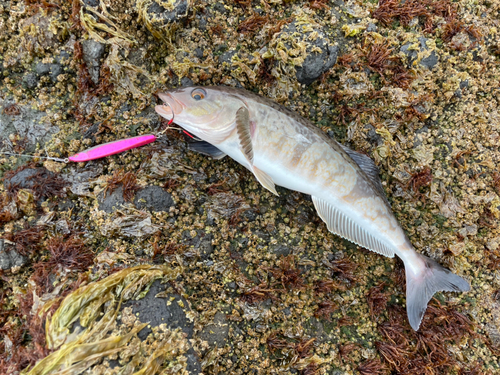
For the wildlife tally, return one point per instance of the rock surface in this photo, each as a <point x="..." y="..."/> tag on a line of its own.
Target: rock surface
<point x="93" y="53"/>
<point x="10" y="258"/>
<point x="321" y="54"/>
<point x="154" y="198"/>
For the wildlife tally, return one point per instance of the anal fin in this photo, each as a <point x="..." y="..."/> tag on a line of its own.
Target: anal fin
<point x="339" y="223"/>
<point x="265" y="180"/>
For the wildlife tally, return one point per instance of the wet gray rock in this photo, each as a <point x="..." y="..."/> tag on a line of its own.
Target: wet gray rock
<point x="463" y="85"/>
<point x="171" y="311"/>
<point x="42" y="68"/>
<point x="216" y="333"/>
<point x="227" y="56"/>
<point x="92" y="3"/>
<point x="429" y="62"/>
<point x="29" y="125"/>
<point x="186" y="82"/>
<point x="249" y="215"/>
<point x="202" y="23"/>
<point x="93" y="53"/>
<point x="372" y="136"/>
<point x="281" y="250"/>
<point x="202" y="242"/>
<point x="154" y="198"/>
<point x="10" y="258"/>
<point x="219" y="7"/>
<point x="316" y="63"/>
<point x="55" y="71"/>
<point x="30" y="80"/>
<point x="371" y="28"/>
<point x="159" y="16"/>
<point x="64" y="58"/>
<point x="111" y="202"/>
<point x="198" y="52"/>
<point x="52" y="70"/>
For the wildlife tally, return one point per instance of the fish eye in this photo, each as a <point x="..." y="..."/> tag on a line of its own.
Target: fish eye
<point x="198" y="94"/>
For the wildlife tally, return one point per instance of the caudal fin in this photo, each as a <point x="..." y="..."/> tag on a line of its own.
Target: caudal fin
<point x="420" y="288"/>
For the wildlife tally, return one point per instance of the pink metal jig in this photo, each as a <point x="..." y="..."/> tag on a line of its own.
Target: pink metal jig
<point x="112" y="148"/>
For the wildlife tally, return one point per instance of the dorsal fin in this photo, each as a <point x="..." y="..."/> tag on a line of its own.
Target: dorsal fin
<point x="369" y="167"/>
<point x="339" y="223"/>
<point x="244" y="134"/>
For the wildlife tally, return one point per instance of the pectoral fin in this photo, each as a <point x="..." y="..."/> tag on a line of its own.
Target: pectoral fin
<point x="245" y="139"/>
<point x="265" y="180"/>
<point x="244" y="134"/>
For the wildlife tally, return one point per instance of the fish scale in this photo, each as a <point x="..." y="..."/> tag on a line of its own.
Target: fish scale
<point x="282" y="148"/>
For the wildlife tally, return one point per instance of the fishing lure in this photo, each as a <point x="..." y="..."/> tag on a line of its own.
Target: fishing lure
<point x="107" y="149"/>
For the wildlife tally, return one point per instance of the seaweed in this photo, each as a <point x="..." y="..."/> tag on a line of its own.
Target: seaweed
<point x="43" y="183"/>
<point x="128" y="182"/>
<point x="243" y="3"/>
<point x="161" y="252"/>
<point x="389" y="11"/>
<point x="28" y="240"/>
<point x="74" y="18"/>
<point x="287" y="273"/>
<point x="345" y="349"/>
<point x="311" y="369"/>
<point x="407" y="351"/>
<point x="8" y="210"/>
<point x="372" y="367"/>
<point x="48" y="185"/>
<point x="380" y="60"/>
<point x="40" y="4"/>
<point x="452" y="28"/>
<point x="325" y="310"/>
<point x="379" y="57"/>
<point x="12" y="109"/>
<point x="328" y="285"/>
<point x="252" y="24"/>
<point x="218" y="30"/>
<point x="170" y="184"/>
<point x="343" y="269"/>
<point x="265" y="69"/>
<point x="377" y="300"/>
<point x="66" y="252"/>
<point x="105" y="86"/>
<point x="26" y="333"/>
<point x="301" y="347"/>
<point x="318" y="4"/>
<point x="216" y="188"/>
<point x="419" y="180"/>
<point x="257" y="294"/>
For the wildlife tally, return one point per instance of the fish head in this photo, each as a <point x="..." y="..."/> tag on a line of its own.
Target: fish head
<point x="205" y="112"/>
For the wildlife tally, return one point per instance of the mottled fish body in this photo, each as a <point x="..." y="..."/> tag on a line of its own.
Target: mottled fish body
<point x="282" y="148"/>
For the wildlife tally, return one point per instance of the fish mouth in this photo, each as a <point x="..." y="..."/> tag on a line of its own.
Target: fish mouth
<point x="171" y="107"/>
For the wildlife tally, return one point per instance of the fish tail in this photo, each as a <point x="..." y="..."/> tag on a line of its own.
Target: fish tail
<point x="421" y="287"/>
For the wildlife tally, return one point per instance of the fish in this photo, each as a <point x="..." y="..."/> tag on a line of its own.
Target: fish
<point x="282" y="148"/>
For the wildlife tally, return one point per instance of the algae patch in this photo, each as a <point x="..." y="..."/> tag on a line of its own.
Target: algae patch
<point x="97" y="306"/>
